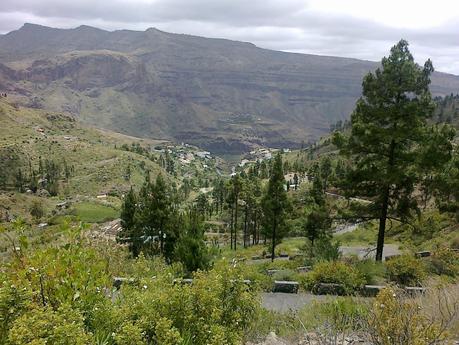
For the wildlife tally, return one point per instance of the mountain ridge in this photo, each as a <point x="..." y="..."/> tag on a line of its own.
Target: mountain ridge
<point x="223" y="95"/>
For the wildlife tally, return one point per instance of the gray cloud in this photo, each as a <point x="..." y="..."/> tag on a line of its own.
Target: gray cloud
<point x="289" y="25"/>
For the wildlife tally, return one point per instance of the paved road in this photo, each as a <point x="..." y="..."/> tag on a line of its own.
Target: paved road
<point x="283" y="302"/>
<point x="369" y="252"/>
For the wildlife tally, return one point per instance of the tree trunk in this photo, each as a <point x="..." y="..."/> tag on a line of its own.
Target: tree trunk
<point x="245" y="227"/>
<point x="382" y="226"/>
<point x="231" y="227"/>
<point x="235" y="226"/>
<point x="384" y="207"/>
<point x="273" y="244"/>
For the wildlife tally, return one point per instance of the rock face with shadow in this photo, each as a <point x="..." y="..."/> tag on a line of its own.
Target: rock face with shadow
<point x="222" y="95"/>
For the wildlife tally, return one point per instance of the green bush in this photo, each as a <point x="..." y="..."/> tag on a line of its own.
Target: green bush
<point x="334" y="272"/>
<point x="47" y="326"/>
<point x="372" y="272"/>
<point x="215" y="309"/>
<point x="287" y="275"/>
<point x="323" y="250"/>
<point x="257" y="274"/>
<point x="445" y="261"/>
<point x="406" y="270"/>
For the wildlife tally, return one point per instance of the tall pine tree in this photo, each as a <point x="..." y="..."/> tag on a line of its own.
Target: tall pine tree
<point x="275" y="204"/>
<point x="389" y="129"/>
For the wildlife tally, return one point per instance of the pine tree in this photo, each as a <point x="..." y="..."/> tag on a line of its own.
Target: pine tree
<point x="128" y="232"/>
<point x="317" y="224"/>
<point x="275" y="205"/>
<point x="389" y="126"/>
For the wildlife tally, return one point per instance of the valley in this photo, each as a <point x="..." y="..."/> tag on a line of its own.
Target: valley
<point x="169" y="189"/>
<point x="223" y="96"/>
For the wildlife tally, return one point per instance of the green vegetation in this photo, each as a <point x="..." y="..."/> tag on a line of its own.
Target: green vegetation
<point x="336" y="272"/>
<point x="275" y="205"/>
<point x="391" y="146"/>
<point x="91" y="212"/>
<point x="114" y="240"/>
<point x="406" y="270"/>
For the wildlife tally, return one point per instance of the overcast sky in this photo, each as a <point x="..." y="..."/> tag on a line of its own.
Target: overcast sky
<point x="353" y="28"/>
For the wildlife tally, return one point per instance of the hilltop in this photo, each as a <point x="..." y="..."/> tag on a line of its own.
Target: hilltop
<point x="225" y="96"/>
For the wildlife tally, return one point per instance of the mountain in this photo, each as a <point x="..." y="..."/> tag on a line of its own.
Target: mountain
<point x="223" y="95"/>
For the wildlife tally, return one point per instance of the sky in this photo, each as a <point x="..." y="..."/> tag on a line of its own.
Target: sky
<point x="351" y="28"/>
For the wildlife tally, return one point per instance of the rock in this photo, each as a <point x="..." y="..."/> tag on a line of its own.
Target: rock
<point x="390" y="257"/>
<point x="372" y="290"/>
<point x="329" y="289"/>
<point x="415" y="290"/>
<point x="43" y="193"/>
<point x="183" y="281"/>
<point x="303" y="269"/>
<point x="272" y="339"/>
<point x="423" y="254"/>
<point x="286" y="286"/>
<point x="118" y="281"/>
<point x="271" y="272"/>
<point x="296" y="256"/>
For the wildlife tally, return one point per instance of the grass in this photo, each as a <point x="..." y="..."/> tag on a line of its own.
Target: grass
<point x="363" y="235"/>
<point x="90" y="212"/>
<point x="290" y="246"/>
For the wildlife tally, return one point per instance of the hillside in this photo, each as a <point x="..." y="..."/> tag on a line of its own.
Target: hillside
<point x="222" y="95"/>
<point x="97" y="161"/>
<point x="96" y="166"/>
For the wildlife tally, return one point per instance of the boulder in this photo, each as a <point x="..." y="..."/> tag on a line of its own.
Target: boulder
<point x="43" y="193"/>
<point x="423" y="254"/>
<point x="118" y="281"/>
<point x="415" y="290"/>
<point x="272" y="272"/>
<point x="329" y="289"/>
<point x="286" y="286"/>
<point x="303" y="269"/>
<point x="372" y="290"/>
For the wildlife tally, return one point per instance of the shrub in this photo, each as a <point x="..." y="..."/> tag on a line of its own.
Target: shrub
<point x="36" y="210"/>
<point x="215" y="309"/>
<point x="406" y="270"/>
<point x="324" y="250"/>
<point x="46" y="326"/>
<point x="341" y="315"/>
<point x="257" y="274"/>
<point x="455" y="242"/>
<point x="445" y="261"/>
<point x="13" y="302"/>
<point x="371" y="271"/>
<point x="395" y="319"/>
<point x="334" y="272"/>
<point x="129" y="334"/>
<point x="287" y="275"/>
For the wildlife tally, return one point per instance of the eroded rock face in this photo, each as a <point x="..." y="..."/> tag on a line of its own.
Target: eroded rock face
<point x="82" y="72"/>
<point x="223" y="95"/>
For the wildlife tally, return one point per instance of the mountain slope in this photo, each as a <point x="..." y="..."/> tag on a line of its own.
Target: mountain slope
<point x="96" y="165"/>
<point x="222" y="95"/>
